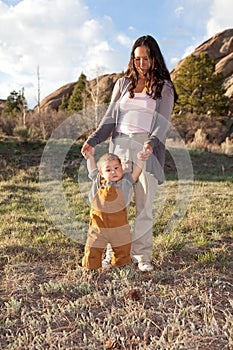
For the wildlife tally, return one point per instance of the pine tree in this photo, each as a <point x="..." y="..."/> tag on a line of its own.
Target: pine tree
<point x="15" y="103"/>
<point x="199" y="88"/>
<point x="76" y="100"/>
<point x="64" y="103"/>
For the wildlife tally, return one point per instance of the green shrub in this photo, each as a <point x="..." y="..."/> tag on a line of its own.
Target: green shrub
<point x="22" y="132"/>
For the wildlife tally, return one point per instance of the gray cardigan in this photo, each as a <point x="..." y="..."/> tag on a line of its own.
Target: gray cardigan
<point x="159" y="125"/>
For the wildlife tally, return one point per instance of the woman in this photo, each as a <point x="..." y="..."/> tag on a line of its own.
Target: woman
<point x="138" y="117"/>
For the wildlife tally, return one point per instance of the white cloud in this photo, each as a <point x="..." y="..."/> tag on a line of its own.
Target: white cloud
<point x="220" y="16"/>
<point x="188" y="51"/>
<point x="131" y="28"/>
<point x="214" y="16"/>
<point x="59" y="36"/>
<point x="124" y="40"/>
<point x="174" y="61"/>
<point x="179" y="11"/>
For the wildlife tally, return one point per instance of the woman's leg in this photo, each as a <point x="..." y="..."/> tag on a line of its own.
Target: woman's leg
<point x="142" y="239"/>
<point x="144" y="193"/>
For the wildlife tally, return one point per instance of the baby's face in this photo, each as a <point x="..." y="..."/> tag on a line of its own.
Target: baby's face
<point x="112" y="171"/>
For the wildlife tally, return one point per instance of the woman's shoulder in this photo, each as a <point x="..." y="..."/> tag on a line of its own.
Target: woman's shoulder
<point x="168" y="83"/>
<point x="123" y="82"/>
<point x="167" y="87"/>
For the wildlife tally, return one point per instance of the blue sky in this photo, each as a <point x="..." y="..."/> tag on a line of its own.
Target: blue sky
<point x="66" y="37"/>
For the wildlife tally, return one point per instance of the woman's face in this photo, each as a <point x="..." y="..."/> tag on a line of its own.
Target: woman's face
<point x="141" y="60"/>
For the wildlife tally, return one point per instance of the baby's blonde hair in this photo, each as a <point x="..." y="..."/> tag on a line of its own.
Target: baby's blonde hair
<point x="107" y="157"/>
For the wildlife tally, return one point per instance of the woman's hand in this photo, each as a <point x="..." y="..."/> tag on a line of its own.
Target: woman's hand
<point x="143" y="155"/>
<point x="87" y="150"/>
<point x="148" y="148"/>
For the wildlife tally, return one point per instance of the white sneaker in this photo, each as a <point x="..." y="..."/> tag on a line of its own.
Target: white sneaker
<point x="145" y="267"/>
<point x="106" y="263"/>
<point x="134" y="261"/>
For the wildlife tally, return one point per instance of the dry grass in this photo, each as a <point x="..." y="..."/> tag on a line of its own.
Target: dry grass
<point x="200" y="142"/>
<point x="49" y="302"/>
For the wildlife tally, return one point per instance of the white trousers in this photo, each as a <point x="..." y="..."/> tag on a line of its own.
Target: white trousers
<point x="127" y="147"/>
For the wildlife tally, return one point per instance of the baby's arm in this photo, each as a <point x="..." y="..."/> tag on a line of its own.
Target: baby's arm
<point x="91" y="164"/>
<point x="138" y="167"/>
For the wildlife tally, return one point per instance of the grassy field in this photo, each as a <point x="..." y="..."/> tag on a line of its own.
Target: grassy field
<point x="48" y="301"/>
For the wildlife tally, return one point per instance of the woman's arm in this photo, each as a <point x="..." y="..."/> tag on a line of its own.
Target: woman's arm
<point x="107" y="124"/>
<point x="142" y="156"/>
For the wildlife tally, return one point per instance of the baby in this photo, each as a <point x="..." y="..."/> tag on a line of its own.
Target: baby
<point x="110" y="196"/>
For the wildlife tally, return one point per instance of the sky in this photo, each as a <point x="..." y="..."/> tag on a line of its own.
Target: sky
<point x="57" y="40"/>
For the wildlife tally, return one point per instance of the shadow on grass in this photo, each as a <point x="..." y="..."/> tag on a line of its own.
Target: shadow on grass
<point x="206" y="166"/>
<point x="41" y="253"/>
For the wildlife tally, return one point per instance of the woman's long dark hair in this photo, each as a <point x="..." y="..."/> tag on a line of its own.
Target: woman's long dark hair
<point x="157" y="72"/>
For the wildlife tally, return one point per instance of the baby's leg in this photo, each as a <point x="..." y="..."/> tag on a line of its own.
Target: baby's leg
<point x="121" y="255"/>
<point x="92" y="258"/>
